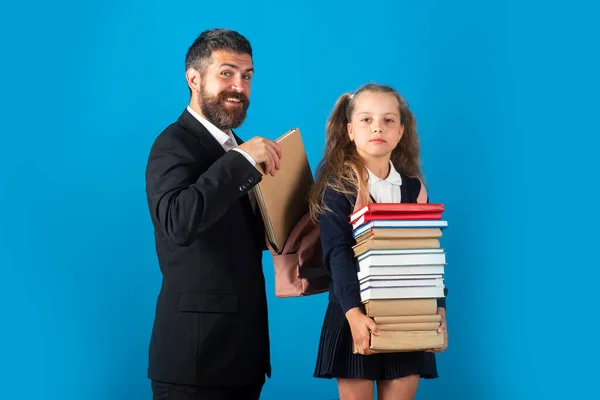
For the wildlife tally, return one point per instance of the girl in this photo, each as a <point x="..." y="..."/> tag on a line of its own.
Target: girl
<point x="372" y="144"/>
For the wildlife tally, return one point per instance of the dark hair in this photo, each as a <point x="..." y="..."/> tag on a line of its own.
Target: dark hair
<point x="199" y="53"/>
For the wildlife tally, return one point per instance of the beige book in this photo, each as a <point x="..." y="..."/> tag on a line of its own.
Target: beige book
<point x="401" y="319"/>
<point x="406" y="340"/>
<point x="400" y="233"/>
<point x="385" y="244"/>
<point x="410" y="326"/>
<point x="398" y="307"/>
<point x="283" y="198"/>
<point x="401" y="341"/>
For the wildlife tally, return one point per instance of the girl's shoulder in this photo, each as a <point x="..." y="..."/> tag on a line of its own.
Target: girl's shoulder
<point x="411" y="181"/>
<point x="339" y="195"/>
<point x="339" y="199"/>
<point x="412" y="186"/>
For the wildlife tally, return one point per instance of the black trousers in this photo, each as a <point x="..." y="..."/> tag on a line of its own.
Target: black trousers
<point x="169" y="391"/>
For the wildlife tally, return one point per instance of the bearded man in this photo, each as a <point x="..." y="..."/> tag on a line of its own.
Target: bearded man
<point x="210" y="338"/>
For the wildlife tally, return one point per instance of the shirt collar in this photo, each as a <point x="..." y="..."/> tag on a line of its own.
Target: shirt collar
<point x="218" y="134"/>
<point x="393" y="177"/>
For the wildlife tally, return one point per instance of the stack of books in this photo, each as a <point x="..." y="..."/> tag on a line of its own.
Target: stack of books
<point x="400" y="268"/>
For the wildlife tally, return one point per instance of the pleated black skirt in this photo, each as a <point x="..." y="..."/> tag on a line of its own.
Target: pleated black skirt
<point x="336" y="360"/>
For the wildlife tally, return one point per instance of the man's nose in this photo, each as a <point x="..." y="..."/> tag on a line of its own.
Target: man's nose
<point x="237" y="84"/>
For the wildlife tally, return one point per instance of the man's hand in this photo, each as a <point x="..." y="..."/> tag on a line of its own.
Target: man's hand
<point x="442" y="329"/>
<point x="361" y="327"/>
<point x="263" y="151"/>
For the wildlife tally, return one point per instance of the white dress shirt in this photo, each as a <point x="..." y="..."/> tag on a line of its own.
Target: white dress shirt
<point x="386" y="190"/>
<point x="225" y="139"/>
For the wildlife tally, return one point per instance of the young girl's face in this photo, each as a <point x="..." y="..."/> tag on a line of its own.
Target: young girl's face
<point x="375" y="126"/>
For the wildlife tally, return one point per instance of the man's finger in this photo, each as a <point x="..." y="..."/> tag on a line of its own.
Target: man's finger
<point x="275" y="151"/>
<point x="273" y="163"/>
<point x="275" y="146"/>
<point x="268" y="165"/>
<point x="275" y="158"/>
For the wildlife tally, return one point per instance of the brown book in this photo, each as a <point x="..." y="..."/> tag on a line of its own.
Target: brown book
<point x="400" y="233"/>
<point x="410" y="326"/>
<point x="397" y="307"/>
<point x="283" y="198"/>
<point x="385" y="244"/>
<point x="401" y="319"/>
<point x="406" y="340"/>
<point x="401" y="341"/>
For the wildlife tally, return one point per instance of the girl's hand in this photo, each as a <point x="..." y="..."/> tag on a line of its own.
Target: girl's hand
<point x="442" y="329"/>
<point x="361" y="327"/>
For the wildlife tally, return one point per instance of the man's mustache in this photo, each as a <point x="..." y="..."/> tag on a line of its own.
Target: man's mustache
<point x="234" y="95"/>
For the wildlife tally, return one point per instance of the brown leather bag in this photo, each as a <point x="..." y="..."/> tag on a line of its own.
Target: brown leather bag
<point x="299" y="269"/>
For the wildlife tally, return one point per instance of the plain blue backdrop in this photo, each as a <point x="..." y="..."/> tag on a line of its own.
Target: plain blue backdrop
<point x="505" y="94"/>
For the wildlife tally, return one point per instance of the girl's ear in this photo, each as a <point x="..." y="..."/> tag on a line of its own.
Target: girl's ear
<point x="350" y="134"/>
<point x="401" y="132"/>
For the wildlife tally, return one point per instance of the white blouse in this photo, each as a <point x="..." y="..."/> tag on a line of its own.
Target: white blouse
<point x="386" y="190"/>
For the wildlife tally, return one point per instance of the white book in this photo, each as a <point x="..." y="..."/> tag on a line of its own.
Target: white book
<point x="401" y="277"/>
<point x="421" y="292"/>
<point x="401" y="257"/>
<point x="407" y="222"/>
<point x="391" y="283"/>
<point x="399" y="270"/>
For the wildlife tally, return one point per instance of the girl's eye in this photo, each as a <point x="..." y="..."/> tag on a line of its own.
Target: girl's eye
<point x="366" y="119"/>
<point x="389" y="120"/>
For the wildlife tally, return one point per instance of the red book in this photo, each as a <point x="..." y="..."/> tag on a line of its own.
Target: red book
<point x="397" y="208"/>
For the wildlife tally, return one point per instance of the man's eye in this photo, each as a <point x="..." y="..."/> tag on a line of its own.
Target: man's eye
<point x="226" y="73"/>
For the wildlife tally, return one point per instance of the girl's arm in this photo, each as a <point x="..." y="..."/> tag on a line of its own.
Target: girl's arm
<point x="337" y="242"/>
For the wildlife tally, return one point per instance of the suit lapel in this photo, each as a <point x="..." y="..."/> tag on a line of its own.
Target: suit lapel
<point x="211" y="145"/>
<point x="205" y="139"/>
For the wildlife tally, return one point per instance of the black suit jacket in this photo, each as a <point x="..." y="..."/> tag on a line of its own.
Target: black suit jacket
<point x="210" y="326"/>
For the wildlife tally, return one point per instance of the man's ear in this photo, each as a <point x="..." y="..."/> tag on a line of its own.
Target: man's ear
<point x="193" y="79"/>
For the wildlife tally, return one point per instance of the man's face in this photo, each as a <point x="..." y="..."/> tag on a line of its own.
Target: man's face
<point x="224" y="94"/>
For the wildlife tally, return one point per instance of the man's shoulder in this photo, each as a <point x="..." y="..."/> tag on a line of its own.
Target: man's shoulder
<point x="174" y="133"/>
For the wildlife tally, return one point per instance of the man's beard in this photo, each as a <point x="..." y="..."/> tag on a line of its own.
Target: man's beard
<point x="223" y="117"/>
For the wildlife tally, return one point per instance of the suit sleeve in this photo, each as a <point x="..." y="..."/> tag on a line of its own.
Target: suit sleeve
<point x="183" y="204"/>
<point x="337" y="242"/>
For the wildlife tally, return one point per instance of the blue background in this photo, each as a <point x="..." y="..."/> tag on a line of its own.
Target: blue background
<point x="506" y="97"/>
